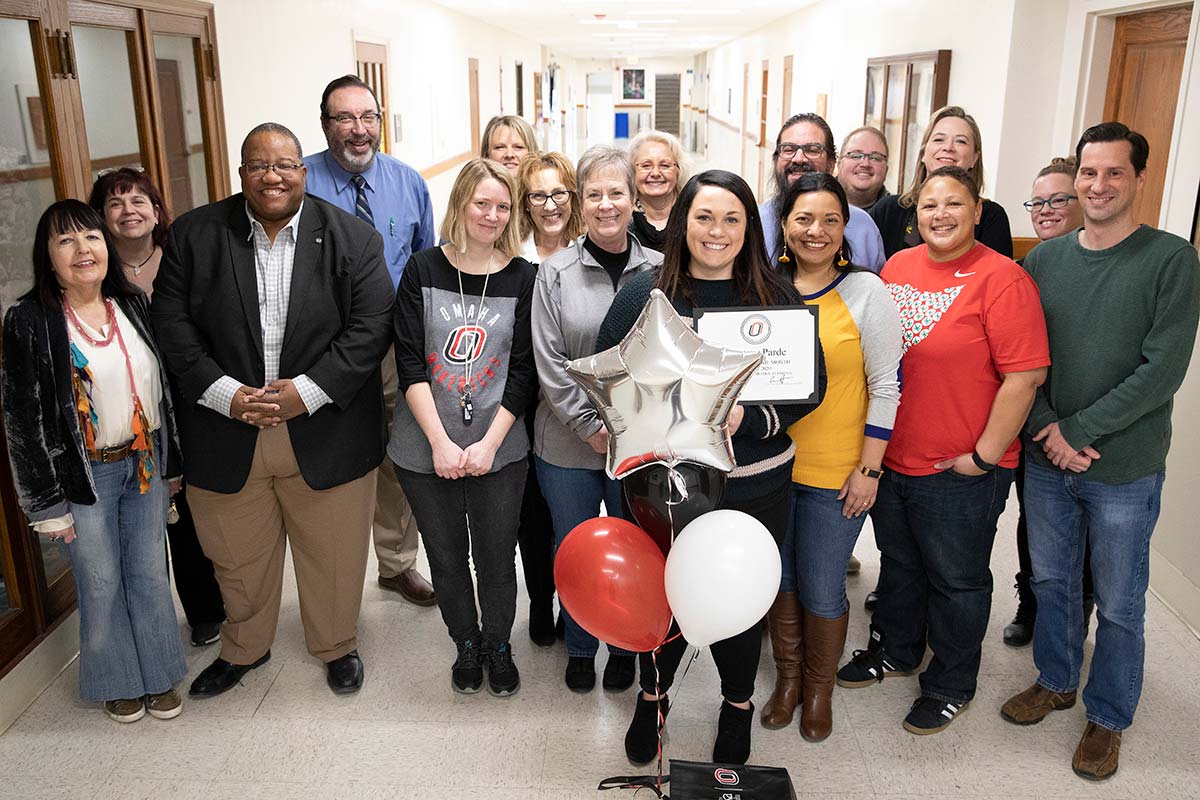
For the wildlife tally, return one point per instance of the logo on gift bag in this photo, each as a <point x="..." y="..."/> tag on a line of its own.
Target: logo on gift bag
<point x="726" y="776"/>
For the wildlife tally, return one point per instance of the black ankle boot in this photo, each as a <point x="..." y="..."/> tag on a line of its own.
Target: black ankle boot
<point x="1019" y="632"/>
<point x="733" y="734"/>
<point x="641" y="740"/>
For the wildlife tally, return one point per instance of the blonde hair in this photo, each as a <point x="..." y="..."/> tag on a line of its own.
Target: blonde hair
<point x="909" y="198"/>
<point x="473" y="173"/>
<point x="523" y="129"/>
<point x="1059" y="166"/>
<point x="672" y="143"/>
<point x="566" y="172"/>
<point x="866" y="129"/>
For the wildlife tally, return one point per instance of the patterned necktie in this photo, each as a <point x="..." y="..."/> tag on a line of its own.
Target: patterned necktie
<point x="362" y="208"/>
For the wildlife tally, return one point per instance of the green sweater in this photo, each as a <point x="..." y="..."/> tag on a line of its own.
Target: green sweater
<point x="1122" y="322"/>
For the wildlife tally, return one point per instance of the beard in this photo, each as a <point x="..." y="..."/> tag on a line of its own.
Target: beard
<point x="785" y="176"/>
<point x="351" y="161"/>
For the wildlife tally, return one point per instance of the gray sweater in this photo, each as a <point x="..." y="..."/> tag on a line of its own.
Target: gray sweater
<point x="571" y="296"/>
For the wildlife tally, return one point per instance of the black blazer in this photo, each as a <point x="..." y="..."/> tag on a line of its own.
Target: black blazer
<point x="45" y="443"/>
<point x="338" y="329"/>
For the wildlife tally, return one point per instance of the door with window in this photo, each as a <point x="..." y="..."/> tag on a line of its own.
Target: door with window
<point x="87" y="87"/>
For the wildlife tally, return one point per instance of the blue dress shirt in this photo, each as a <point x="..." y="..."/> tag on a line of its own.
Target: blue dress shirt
<point x="861" y="232"/>
<point x="398" y="197"/>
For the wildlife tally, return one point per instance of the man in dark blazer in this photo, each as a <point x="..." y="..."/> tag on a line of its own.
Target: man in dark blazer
<point x="273" y="311"/>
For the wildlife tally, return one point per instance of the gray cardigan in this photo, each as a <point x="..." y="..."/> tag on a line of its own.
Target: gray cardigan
<point x="570" y="299"/>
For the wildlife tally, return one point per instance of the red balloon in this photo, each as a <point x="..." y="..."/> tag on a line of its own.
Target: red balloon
<point x="609" y="576"/>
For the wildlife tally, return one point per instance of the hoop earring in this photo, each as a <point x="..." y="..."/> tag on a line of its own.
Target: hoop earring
<point x="783" y="257"/>
<point x="841" y="259"/>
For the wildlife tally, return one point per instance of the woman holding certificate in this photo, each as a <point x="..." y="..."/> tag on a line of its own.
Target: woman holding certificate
<point x="839" y="449"/>
<point x="975" y="351"/>
<point x="714" y="258"/>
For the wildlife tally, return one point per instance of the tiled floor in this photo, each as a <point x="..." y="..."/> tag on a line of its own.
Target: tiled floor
<point x="407" y="735"/>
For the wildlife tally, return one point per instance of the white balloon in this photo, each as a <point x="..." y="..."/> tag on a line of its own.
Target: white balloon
<point x="722" y="575"/>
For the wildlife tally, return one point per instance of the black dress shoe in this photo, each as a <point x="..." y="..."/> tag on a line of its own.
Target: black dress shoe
<point x="205" y="633"/>
<point x="221" y="676"/>
<point x="345" y="675"/>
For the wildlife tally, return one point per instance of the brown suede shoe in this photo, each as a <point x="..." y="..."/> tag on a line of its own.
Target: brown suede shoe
<point x="784" y="625"/>
<point x="412" y="586"/>
<point x="1097" y="754"/>
<point x="1034" y="704"/>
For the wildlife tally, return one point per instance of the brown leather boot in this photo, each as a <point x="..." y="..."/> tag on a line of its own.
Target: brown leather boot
<point x="823" y="643"/>
<point x="1096" y="757"/>
<point x="783" y="622"/>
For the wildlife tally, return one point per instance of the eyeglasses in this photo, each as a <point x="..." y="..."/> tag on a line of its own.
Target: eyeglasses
<point x="258" y="169"/>
<point x="1057" y="201"/>
<point x="540" y="198"/>
<point x="370" y="119"/>
<point x="874" y="158"/>
<point x="661" y="166"/>
<point x="810" y="150"/>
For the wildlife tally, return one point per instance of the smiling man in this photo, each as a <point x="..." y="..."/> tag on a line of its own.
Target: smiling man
<point x="1122" y="301"/>
<point x="862" y="166"/>
<point x="805" y="144"/>
<point x="273" y="310"/>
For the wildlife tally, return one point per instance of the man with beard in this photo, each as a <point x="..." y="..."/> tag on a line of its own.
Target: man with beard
<point x="805" y="144"/>
<point x="392" y="196"/>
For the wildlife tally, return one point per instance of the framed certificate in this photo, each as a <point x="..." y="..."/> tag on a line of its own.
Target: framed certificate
<point x="787" y="336"/>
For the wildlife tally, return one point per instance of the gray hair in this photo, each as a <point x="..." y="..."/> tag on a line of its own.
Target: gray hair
<point x="273" y="127"/>
<point x="602" y="156"/>
<point x="672" y="143"/>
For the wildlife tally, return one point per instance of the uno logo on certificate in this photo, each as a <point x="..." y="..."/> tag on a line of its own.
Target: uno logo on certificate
<point x="756" y="329"/>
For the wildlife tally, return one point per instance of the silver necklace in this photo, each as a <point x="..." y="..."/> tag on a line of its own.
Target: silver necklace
<point x="464" y="400"/>
<point x="138" y="269"/>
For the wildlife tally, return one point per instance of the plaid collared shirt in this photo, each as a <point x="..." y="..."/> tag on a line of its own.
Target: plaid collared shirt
<point x="273" y="264"/>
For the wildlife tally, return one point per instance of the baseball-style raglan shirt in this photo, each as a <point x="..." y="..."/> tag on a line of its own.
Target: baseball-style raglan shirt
<point x="441" y="335"/>
<point x="965" y="324"/>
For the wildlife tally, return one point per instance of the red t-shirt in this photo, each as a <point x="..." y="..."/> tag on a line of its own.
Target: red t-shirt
<point x="965" y="323"/>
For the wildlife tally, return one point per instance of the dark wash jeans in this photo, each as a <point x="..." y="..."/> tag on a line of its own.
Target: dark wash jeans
<point x="935" y="536"/>
<point x="471" y="519"/>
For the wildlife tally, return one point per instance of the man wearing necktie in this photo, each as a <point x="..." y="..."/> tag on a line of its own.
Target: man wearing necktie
<point x="392" y="197"/>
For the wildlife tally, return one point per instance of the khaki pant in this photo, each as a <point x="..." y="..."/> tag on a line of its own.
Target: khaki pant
<point x="395" y="528"/>
<point x="245" y="534"/>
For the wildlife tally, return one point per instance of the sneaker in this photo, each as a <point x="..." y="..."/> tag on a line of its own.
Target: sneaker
<point x="930" y="715"/>
<point x="872" y="599"/>
<point x="870" y="666"/>
<point x="502" y="675"/>
<point x="205" y="633"/>
<point x="619" y="672"/>
<point x="467" y="674"/>
<point x="125" y="710"/>
<point x="581" y="674"/>
<point x="167" y="705"/>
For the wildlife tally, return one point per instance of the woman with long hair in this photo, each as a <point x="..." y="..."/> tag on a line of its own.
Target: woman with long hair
<point x="715" y="257"/>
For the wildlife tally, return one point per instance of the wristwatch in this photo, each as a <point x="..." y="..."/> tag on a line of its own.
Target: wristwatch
<point x="870" y="473"/>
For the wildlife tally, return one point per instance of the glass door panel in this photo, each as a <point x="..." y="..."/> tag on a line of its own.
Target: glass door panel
<point x="181" y="121"/>
<point x="106" y="87"/>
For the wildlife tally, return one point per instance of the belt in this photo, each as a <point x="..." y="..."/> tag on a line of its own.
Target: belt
<point x="111" y="454"/>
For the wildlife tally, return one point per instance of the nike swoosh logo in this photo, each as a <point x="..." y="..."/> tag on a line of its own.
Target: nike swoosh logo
<point x="958" y="274"/>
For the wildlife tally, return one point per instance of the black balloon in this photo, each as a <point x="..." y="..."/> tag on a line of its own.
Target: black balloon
<point x="656" y="499"/>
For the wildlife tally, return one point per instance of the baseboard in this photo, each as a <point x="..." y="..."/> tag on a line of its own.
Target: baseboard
<point x="28" y="679"/>
<point x="1175" y="590"/>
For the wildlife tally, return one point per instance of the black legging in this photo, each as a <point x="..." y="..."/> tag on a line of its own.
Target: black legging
<point x="736" y="657"/>
<point x="535" y="536"/>
<point x="195" y="581"/>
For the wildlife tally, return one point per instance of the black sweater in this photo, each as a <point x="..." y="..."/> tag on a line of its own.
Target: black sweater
<point x="761" y="446"/>
<point x="898" y="226"/>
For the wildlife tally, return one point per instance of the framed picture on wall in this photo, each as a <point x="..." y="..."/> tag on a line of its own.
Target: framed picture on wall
<point x="32" y="114"/>
<point x="902" y="93"/>
<point x="633" y="84"/>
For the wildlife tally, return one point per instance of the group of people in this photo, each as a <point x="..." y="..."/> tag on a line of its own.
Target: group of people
<point x="315" y="369"/>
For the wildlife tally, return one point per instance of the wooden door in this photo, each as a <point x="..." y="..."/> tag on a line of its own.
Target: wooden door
<point x="1143" y="89"/>
<point x="473" y="93"/>
<point x="371" y="63"/>
<point x="745" y="113"/>
<point x="170" y="99"/>
<point x="787" y="89"/>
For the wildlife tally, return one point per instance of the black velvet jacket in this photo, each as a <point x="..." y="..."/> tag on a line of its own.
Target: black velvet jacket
<point x="45" y="444"/>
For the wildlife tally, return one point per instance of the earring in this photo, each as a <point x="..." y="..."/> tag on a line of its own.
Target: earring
<point x="783" y="257"/>
<point x="841" y="259"/>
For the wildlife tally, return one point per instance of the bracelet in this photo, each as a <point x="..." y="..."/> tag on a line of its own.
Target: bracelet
<point x="979" y="462"/>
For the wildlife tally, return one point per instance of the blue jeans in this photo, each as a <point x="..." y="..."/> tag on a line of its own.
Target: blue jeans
<point x="129" y="643"/>
<point x="817" y="549"/>
<point x="1117" y="521"/>
<point x="574" y="495"/>
<point x="935" y="535"/>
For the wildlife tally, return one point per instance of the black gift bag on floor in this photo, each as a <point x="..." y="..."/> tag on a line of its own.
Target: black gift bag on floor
<point x="700" y="780"/>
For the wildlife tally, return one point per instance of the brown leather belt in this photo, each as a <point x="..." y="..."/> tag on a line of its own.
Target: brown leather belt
<point x="111" y="454"/>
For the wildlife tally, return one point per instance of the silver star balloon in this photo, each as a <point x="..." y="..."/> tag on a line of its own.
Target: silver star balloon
<point x="664" y="393"/>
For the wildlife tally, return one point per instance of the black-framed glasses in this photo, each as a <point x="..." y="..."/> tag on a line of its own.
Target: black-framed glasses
<point x="874" y="158"/>
<point x="810" y="150"/>
<point x="346" y="120"/>
<point x="259" y="169"/>
<point x="1057" y="201"/>
<point x="540" y="198"/>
